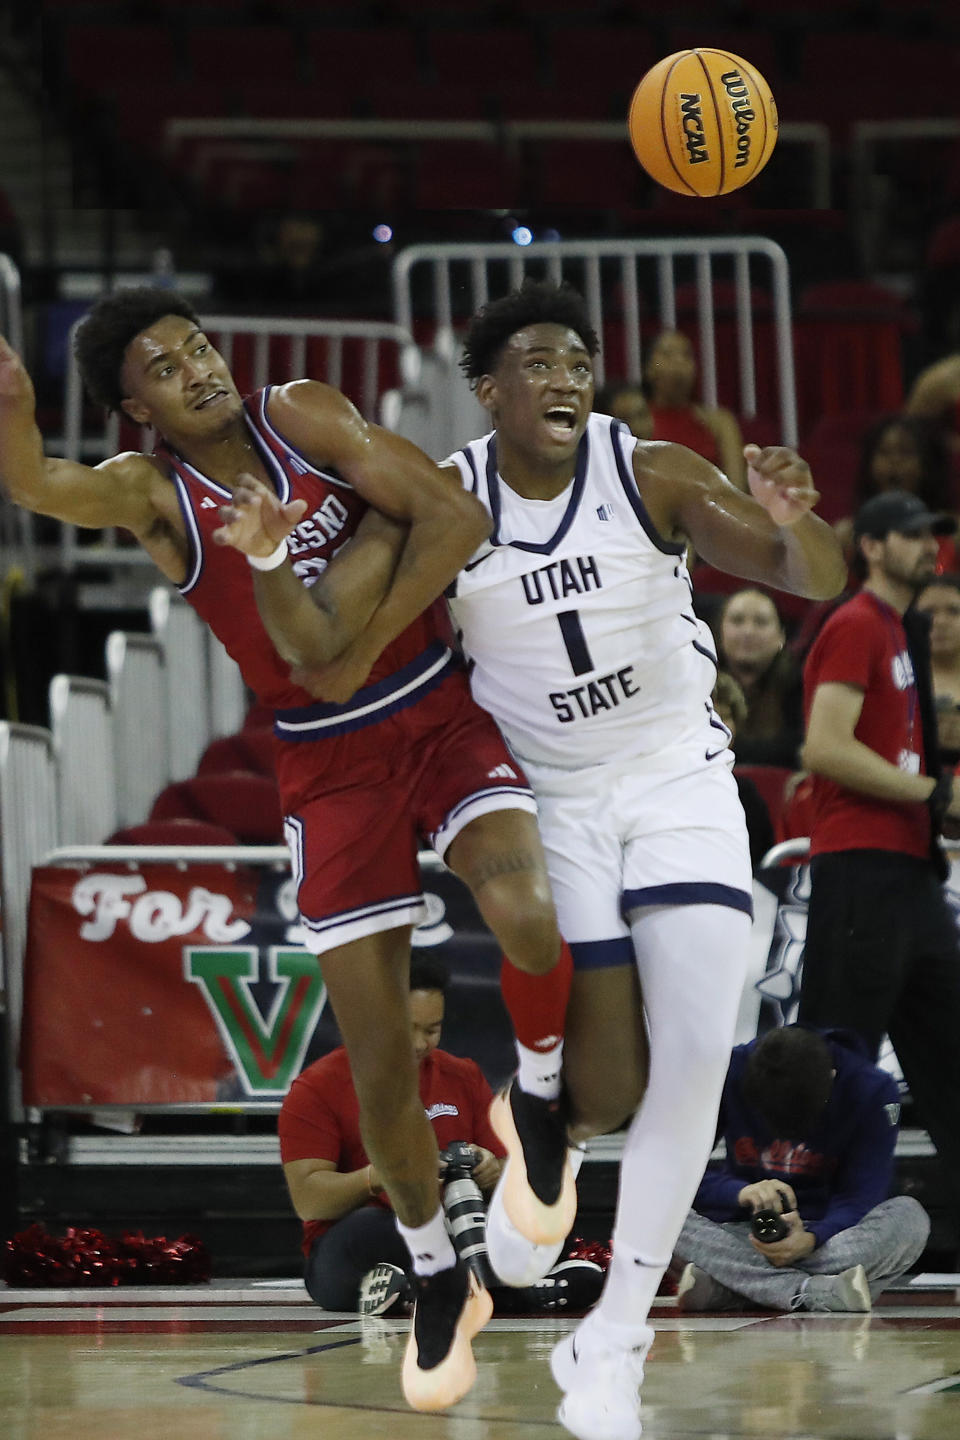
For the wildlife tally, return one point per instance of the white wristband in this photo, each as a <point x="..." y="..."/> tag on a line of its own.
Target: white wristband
<point x="271" y="561"/>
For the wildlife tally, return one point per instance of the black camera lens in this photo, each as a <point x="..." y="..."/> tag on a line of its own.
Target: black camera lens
<point x="769" y="1226"/>
<point x="464" y="1210"/>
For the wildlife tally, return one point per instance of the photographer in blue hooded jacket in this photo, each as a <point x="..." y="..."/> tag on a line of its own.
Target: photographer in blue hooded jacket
<point x="810" y="1127"/>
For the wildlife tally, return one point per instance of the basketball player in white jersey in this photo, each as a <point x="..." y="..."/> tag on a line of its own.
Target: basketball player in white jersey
<point x="577" y="619"/>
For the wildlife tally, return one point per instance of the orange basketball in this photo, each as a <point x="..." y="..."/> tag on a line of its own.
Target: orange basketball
<point x="703" y="122"/>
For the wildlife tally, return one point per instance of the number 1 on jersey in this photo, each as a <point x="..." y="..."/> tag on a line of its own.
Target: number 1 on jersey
<point x="575" y="641"/>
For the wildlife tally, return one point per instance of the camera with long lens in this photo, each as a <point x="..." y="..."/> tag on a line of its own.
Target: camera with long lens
<point x="464" y="1209"/>
<point x="769" y="1226"/>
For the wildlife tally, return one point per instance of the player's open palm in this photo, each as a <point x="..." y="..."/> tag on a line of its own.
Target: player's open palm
<point x="16" y="387"/>
<point x="256" y="519"/>
<point x="781" y="481"/>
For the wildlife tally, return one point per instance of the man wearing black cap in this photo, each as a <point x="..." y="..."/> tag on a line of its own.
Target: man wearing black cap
<point x="882" y="953"/>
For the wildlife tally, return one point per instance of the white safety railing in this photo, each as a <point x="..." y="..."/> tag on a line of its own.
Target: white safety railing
<point x="353" y="357"/>
<point x="183" y="637"/>
<point x="81" y="721"/>
<point x="139" y="695"/>
<point x="28" y="830"/>
<point x="872" y="196"/>
<point x="612" y="275"/>
<point x="228" y="693"/>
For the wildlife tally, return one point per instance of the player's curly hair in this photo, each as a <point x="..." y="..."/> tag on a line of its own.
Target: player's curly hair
<point x="103" y="336"/>
<point x="536" y="302"/>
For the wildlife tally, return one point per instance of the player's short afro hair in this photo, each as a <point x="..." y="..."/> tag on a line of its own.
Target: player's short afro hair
<point x="537" y="302"/>
<point x="103" y="336"/>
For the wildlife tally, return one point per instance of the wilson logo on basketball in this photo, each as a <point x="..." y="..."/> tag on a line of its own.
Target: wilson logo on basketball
<point x="743" y="114"/>
<point x="691" y="107"/>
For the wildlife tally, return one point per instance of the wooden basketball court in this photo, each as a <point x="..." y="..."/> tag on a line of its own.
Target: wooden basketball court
<point x="255" y="1359"/>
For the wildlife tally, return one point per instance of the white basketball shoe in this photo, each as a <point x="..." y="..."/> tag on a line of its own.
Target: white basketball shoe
<point x="601" y="1379"/>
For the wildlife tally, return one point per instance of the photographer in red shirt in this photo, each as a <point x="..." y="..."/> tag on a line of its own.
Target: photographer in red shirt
<point x="882" y="953"/>
<point x="355" y="1257"/>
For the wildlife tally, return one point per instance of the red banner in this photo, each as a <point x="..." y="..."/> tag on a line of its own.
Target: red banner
<point x="165" y="985"/>
<point x="141" y="987"/>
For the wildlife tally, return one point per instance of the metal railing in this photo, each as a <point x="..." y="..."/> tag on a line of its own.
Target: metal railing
<point x="257" y="139"/>
<point x="467" y="270"/>
<point x="871" y="199"/>
<point x="81" y="722"/>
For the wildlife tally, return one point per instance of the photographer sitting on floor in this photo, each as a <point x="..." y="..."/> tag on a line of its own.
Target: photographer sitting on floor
<point x="796" y="1217"/>
<point x="355" y="1257"/>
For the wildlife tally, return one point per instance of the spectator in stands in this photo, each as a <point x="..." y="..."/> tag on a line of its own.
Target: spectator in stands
<point x="670" y="377"/>
<point x="290" y="271"/>
<point x="730" y="704"/>
<point x="935" y="397"/>
<point x="355" y="1257"/>
<point x="941" y="601"/>
<point x="626" y="400"/>
<point x="810" y="1128"/>
<point x="751" y="641"/>
<point x="882" y="953"/>
<point x="903" y="452"/>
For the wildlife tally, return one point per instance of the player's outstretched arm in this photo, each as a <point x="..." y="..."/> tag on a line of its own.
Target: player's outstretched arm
<point x="771" y="535"/>
<point x="116" y="493"/>
<point x="445" y="523"/>
<point x="310" y="626"/>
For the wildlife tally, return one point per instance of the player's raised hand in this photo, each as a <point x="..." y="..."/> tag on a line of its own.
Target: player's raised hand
<point x="781" y="481"/>
<point x="16" y="387"/>
<point x="256" y="520"/>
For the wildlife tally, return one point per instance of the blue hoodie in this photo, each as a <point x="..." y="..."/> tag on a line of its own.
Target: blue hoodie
<point x="838" y="1172"/>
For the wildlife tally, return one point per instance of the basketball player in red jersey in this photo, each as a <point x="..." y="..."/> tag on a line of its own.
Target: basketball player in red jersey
<point x="409" y="757"/>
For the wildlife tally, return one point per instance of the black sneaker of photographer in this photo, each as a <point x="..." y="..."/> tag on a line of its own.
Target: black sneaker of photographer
<point x="382" y="1290"/>
<point x="450" y="1307"/>
<point x="572" y="1286"/>
<point x="538" y="1190"/>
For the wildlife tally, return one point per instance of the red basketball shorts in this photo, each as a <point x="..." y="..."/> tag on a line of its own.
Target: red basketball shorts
<point x="365" y="803"/>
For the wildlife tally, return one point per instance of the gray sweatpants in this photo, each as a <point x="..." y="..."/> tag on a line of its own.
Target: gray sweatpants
<point x="886" y="1242"/>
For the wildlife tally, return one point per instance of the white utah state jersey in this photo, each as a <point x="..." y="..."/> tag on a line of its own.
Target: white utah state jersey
<point x="577" y="618"/>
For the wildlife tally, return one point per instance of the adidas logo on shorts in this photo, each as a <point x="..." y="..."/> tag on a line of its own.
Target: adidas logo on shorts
<point x="501" y="772"/>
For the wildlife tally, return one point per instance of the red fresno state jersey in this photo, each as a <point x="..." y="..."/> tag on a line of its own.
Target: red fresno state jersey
<point x="219" y="582"/>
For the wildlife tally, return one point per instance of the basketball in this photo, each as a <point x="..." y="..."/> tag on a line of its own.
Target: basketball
<point x="703" y="122"/>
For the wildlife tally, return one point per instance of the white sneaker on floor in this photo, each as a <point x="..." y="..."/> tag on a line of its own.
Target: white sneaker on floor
<point x="515" y="1259"/>
<point x="698" y="1291"/>
<point x="847" y="1292"/>
<point x="601" y="1382"/>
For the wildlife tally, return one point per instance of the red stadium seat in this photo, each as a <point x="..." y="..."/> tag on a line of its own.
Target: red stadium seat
<point x="248" y="805"/>
<point x="250" y="750"/>
<point x="796" y="819"/>
<point x="604" y="60"/>
<point x="234" y="57"/>
<point x="465" y="175"/>
<point x="832" y="450"/>
<point x="848" y="339"/>
<point x="570" y="173"/>
<point x="490" y="59"/>
<point x="174" y="832"/>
